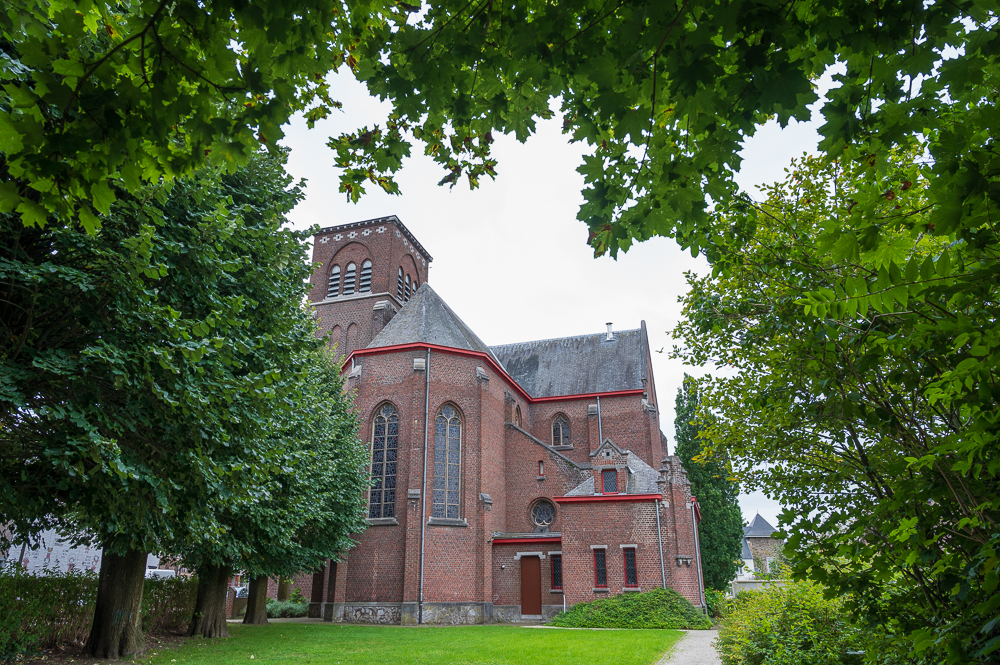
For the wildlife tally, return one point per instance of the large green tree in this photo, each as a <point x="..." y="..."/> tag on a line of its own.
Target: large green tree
<point x="148" y="369"/>
<point x="721" y="527"/>
<point x="864" y="399"/>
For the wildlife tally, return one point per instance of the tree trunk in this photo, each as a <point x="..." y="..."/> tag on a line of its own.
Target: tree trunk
<point x="284" y="588"/>
<point x="257" y="602"/>
<point x="209" y="618"/>
<point x="116" y="631"/>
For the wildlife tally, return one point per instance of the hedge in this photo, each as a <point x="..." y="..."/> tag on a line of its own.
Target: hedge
<point x="659" y="608"/>
<point x="58" y="608"/>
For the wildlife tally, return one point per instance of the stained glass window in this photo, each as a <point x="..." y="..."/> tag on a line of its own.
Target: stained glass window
<point x="610" y="481"/>
<point x="556" y="571"/>
<point x="385" y="444"/>
<point x="630" y="576"/>
<point x="447" y="464"/>
<point x="333" y="290"/>
<point x="560" y="432"/>
<point x="600" y="569"/>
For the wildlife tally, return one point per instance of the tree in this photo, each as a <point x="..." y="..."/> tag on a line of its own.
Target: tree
<point x="142" y="374"/>
<point x="869" y="409"/>
<point x="721" y="528"/>
<point x="101" y="97"/>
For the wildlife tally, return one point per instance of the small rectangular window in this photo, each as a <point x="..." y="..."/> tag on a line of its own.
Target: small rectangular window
<point x="556" y="571"/>
<point x="610" y="481"/>
<point x="631" y="580"/>
<point x="541" y="469"/>
<point x="600" y="569"/>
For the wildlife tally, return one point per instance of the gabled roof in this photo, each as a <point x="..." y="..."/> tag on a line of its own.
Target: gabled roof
<point x="577" y="365"/>
<point x="745" y="553"/>
<point x="758" y="528"/>
<point x="642" y="478"/>
<point x="428" y="319"/>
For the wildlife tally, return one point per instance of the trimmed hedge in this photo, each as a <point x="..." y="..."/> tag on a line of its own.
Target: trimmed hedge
<point x="286" y="608"/>
<point x="790" y="625"/>
<point x="659" y="608"/>
<point x="58" y="608"/>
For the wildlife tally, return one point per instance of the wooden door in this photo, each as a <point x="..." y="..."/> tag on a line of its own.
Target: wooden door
<point x="531" y="585"/>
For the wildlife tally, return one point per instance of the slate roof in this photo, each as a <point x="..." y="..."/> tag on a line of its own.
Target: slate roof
<point x="745" y="554"/>
<point x="758" y="528"/>
<point x="642" y="480"/>
<point x="577" y="365"/>
<point x="426" y="318"/>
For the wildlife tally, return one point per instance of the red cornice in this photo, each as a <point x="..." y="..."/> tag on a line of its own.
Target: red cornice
<point x="697" y="508"/>
<point x="489" y="360"/>
<point x="523" y="541"/>
<point x="598" y="498"/>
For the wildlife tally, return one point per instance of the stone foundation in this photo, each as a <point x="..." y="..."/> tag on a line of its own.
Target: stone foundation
<point x="376" y="613"/>
<point x="448" y="614"/>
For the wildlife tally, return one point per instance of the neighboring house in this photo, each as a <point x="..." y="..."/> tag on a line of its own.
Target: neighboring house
<point x="54" y="553"/>
<point x="759" y="546"/>
<point x="508" y="481"/>
<point x="747" y="569"/>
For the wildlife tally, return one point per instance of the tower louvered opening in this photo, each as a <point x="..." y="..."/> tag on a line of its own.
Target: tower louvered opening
<point x="333" y="289"/>
<point x="399" y="285"/>
<point x="349" y="277"/>
<point x="366" y="277"/>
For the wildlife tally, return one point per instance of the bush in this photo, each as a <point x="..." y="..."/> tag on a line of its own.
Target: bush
<point x="790" y="625"/>
<point x="718" y="603"/>
<point x="286" y="608"/>
<point x="58" y="608"/>
<point x="659" y="608"/>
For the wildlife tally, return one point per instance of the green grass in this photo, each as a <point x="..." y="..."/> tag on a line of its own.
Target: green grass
<point x="333" y="644"/>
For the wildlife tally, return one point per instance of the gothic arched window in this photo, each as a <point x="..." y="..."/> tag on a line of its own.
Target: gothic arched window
<point x="407" y="288"/>
<point x="333" y="290"/>
<point x="385" y="443"/>
<point x="517" y="415"/>
<point x="560" y="431"/>
<point x="366" y="277"/>
<point x="447" y="464"/>
<point x="399" y="285"/>
<point x="349" y="276"/>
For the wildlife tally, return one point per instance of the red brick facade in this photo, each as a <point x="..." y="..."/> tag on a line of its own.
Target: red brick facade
<point x="415" y="566"/>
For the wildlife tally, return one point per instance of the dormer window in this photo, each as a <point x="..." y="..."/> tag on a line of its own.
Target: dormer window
<point x="609" y="481"/>
<point x="333" y="290"/>
<point x="366" y="277"/>
<point x="349" y="276"/>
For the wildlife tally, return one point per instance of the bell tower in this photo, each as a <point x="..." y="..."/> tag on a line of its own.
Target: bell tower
<point x="365" y="273"/>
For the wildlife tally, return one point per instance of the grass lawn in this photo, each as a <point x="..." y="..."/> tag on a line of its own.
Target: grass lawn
<point x="330" y="644"/>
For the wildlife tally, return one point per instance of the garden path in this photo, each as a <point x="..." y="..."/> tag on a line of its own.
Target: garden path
<point x="695" y="648"/>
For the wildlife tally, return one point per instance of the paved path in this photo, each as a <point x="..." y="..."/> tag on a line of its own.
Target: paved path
<point x="695" y="648"/>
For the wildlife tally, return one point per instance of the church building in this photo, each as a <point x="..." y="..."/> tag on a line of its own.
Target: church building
<point x="508" y="482"/>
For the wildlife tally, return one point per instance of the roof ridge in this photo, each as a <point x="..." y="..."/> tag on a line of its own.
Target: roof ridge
<point x="559" y="339"/>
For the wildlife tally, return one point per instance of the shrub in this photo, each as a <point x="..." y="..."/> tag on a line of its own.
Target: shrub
<point x="659" y="608"/>
<point x="790" y="625"/>
<point x="718" y="603"/>
<point x="167" y="604"/>
<point x="286" y="608"/>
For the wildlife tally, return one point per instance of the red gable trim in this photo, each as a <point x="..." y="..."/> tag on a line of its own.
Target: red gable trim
<point x="697" y="508"/>
<point x="489" y="361"/>
<point x="523" y="541"/>
<point x="597" y="498"/>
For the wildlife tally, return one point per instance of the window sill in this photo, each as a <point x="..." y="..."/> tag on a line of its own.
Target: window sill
<point x="444" y="521"/>
<point x="601" y="590"/>
<point x="541" y="477"/>
<point x="555" y="590"/>
<point x="632" y="589"/>
<point x="562" y="447"/>
<point x="382" y="521"/>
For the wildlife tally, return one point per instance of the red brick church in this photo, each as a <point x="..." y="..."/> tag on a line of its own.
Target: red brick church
<point x="507" y="481"/>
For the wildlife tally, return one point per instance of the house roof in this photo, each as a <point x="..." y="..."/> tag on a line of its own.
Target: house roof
<point x="427" y="318"/>
<point x="758" y="528"/>
<point x="745" y="554"/>
<point x="577" y="365"/>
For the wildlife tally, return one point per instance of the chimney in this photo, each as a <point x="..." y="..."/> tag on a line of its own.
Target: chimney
<point x="611" y="335"/>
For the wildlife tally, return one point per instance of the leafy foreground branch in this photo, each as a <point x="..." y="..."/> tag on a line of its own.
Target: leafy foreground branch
<point x="865" y="400"/>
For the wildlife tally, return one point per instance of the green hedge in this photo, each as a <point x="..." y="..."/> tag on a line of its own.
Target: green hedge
<point x="58" y="608"/>
<point x="659" y="608"/>
<point x="790" y="625"/>
<point x="286" y="608"/>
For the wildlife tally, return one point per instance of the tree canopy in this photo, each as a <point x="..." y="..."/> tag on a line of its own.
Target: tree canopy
<point x="868" y="410"/>
<point x="721" y="528"/>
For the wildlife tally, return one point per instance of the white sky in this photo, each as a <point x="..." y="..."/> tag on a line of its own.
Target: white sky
<point x="510" y="258"/>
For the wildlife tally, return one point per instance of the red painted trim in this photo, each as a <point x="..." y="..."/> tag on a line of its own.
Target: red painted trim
<point x="607" y="497"/>
<point x="522" y="541"/>
<point x="489" y="360"/>
<point x="697" y="508"/>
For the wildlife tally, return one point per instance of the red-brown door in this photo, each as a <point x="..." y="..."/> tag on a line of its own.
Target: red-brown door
<point x="531" y="585"/>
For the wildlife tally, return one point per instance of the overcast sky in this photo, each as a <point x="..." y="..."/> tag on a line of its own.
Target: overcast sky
<point x="511" y="258"/>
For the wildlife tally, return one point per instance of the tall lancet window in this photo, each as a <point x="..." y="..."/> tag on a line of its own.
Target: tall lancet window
<point x="407" y="288"/>
<point x="333" y="290"/>
<point x="560" y="431"/>
<point x="447" y="464"/>
<point x="366" y="277"/>
<point x="385" y="443"/>
<point x="349" y="276"/>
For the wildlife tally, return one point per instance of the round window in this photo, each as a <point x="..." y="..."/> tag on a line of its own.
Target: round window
<point x="542" y="513"/>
